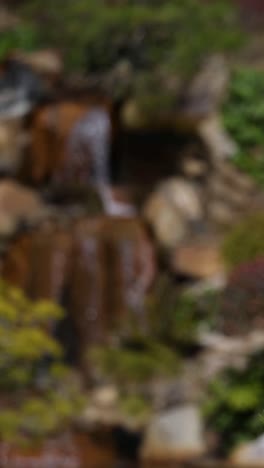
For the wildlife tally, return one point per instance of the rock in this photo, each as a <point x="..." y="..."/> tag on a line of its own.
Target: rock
<point x="19" y="204"/>
<point x="232" y="175"/>
<point x="105" y="397"/>
<point x="7" y="19"/>
<point x="219" y="144"/>
<point x="168" y="225"/>
<point x="184" y="196"/>
<point x="223" y="190"/>
<point x="219" y="212"/>
<point x="12" y="141"/>
<point x="132" y="116"/>
<point x="174" y="435"/>
<point x="215" y="283"/>
<point x="45" y="62"/>
<point x="251" y="454"/>
<point x="174" y="204"/>
<point x="193" y="168"/>
<point x="100" y="269"/>
<point x="200" y="260"/>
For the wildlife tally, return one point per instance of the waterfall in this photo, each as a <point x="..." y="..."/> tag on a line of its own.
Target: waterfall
<point x="89" y="147"/>
<point x="91" y="135"/>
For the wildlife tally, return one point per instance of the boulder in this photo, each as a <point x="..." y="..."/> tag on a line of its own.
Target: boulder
<point x="223" y="190"/>
<point x="184" y="196"/>
<point x="19" y="204"/>
<point x="174" y="435"/>
<point x="251" y="454"/>
<point x="168" y="225"/>
<point x="46" y="62"/>
<point x="221" y="213"/>
<point x="200" y="260"/>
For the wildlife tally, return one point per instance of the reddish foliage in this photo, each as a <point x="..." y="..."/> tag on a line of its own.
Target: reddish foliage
<point x="243" y="300"/>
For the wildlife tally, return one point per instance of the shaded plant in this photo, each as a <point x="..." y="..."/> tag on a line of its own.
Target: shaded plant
<point x="242" y="304"/>
<point x="234" y="404"/>
<point x="245" y="241"/>
<point x="147" y="43"/>
<point x="243" y="116"/>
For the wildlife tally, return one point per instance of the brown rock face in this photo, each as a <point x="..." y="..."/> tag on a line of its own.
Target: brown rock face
<point x="19" y="204"/>
<point x="66" y="143"/>
<point x="100" y="269"/>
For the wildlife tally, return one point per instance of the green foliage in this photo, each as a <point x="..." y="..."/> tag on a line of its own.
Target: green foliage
<point x="243" y="116"/>
<point x="135" y="364"/>
<point x="245" y="241"/>
<point x="38" y="394"/>
<point x="135" y="406"/>
<point x="155" y="39"/>
<point x="234" y="405"/>
<point x="182" y="314"/>
<point x="23" y="37"/>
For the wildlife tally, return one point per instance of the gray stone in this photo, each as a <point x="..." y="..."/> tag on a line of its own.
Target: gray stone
<point x="251" y="454"/>
<point x="174" y="435"/>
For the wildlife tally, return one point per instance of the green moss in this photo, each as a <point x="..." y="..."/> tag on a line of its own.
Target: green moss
<point x="245" y="241"/>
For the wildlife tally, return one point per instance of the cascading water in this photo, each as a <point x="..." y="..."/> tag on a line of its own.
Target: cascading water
<point x="91" y="135"/>
<point x="89" y="146"/>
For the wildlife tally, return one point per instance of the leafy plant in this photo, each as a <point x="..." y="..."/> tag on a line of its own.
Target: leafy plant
<point x="245" y="241"/>
<point x="234" y="404"/>
<point x="243" y="116"/>
<point x="38" y="394"/>
<point x="242" y="304"/>
<point x="151" y="41"/>
<point x="135" y="364"/>
<point x="182" y="314"/>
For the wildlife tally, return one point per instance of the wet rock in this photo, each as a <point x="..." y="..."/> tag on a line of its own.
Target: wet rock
<point x="251" y="454"/>
<point x="200" y="260"/>
<point x="99" y="269"/>
<point x="20" y="89"/>
<point x="175" y="435"/>
<point x="12" y="142"/>
<point x="88" y="299"/>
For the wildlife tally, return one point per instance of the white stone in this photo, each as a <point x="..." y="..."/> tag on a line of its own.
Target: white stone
<point x="175" y="434"/>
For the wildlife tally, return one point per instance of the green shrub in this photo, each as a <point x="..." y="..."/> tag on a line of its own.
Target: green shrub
<point x="243" y="116"/>
<point x="155" y="39"/>
<point x="38" y="394"/>
<point x="245" y="241"/>
<point x="135" y="364"/>
<point x="175" y="317"/>
<point x="234" y="405"/>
